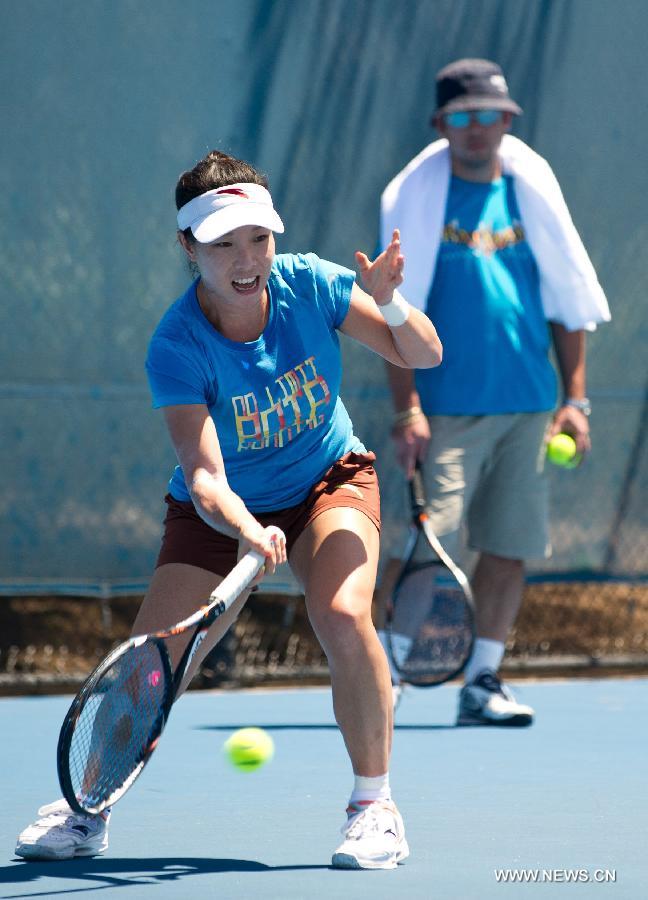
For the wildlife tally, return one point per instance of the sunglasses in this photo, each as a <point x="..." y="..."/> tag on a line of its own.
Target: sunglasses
<point x="481" y="116"/>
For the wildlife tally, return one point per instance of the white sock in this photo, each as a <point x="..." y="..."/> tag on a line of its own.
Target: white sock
<point x="487" y="654"/>
<point x="366" y="790"/>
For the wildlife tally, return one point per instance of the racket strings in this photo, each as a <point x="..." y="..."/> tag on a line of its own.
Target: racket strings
<point x="121" y="718"/>
<point x="432" y="626"/>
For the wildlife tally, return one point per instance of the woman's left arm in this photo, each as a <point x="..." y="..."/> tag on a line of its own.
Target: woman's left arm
<point x="411" y="344"/>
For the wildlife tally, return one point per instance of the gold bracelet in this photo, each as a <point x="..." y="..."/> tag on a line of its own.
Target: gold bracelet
<point x="407" y="416"/>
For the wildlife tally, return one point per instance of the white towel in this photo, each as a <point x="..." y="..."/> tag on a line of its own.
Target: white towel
<point x="415" y="202"/>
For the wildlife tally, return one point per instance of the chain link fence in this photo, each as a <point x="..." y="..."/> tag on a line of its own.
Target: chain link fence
<point x="89" y="265"/>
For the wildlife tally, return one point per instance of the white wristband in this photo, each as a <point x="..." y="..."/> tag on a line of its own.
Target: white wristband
<point x="396" y="312"/>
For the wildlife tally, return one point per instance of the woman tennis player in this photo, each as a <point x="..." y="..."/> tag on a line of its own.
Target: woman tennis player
<point x="246" y="368"/>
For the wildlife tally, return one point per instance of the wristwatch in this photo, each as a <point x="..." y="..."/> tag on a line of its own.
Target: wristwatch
<point x="581" y="403"/>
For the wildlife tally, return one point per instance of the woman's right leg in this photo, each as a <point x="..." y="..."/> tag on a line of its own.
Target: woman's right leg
<point x="176" y="591"/>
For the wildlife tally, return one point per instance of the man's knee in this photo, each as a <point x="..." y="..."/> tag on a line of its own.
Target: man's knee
<point x="503" y="562"/>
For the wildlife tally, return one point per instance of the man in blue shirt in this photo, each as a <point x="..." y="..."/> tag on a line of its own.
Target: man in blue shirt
<point x="498" y="266"/>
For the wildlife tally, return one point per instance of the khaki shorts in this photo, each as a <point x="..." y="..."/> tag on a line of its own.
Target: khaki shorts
<point x="351" y="481"/>
<point x="486" y="474"/>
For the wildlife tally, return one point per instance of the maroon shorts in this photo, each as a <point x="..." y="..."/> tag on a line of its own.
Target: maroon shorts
<point x="351" y="481"/>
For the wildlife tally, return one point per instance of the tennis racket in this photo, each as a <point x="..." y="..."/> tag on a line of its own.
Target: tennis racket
<point x="430" y="617"/>
<point x="115" y="721"/>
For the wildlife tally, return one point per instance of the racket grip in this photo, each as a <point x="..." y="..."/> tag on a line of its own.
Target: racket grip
<point x="417" y="488"/>
<point x="239" y="578"/>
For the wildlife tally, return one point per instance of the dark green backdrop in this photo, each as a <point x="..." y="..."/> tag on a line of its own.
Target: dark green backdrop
<point x="104" y="102"/>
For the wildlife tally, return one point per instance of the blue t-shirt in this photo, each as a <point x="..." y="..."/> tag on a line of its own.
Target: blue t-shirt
<point x="275" y="401"/>
<point x="485" y="303"/>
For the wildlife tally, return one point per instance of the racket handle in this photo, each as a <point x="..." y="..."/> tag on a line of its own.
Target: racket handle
<point x="239" y="578"/>
<point x="417" y="489"/>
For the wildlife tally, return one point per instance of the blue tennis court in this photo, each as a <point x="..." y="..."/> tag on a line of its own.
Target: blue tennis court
<point x="560" y="803"/>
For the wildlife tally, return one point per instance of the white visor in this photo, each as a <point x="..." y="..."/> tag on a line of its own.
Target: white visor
<point x="215" y="213"/>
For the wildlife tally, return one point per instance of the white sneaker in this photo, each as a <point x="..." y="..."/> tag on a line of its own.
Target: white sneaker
<point x="63" y="834"/>
<point x="397" y="695"/>
<point x="486" y="701"/>
<point x="374" y="838"/>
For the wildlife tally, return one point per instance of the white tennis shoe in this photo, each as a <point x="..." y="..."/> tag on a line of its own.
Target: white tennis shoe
<point x="60" y="833"/>
<point x="374" y="838"/>
<point x="486" y="701"/>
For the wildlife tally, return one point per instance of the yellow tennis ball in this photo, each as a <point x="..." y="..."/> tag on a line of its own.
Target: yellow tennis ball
<point x="561" y="451"/>
<point x="249" y="748"/>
